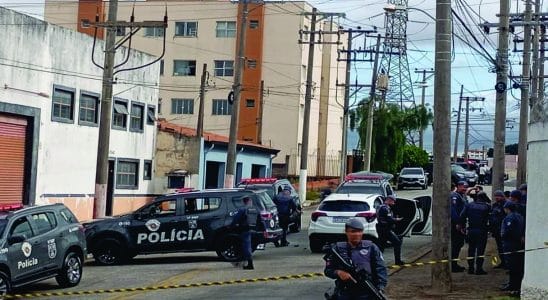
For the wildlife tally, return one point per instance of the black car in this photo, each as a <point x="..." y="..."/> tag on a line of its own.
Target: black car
<point x="183" y="222"/>
<point x="273" y="186"/>
<point x="458" y="173"/>
<point x="40" y="242"/>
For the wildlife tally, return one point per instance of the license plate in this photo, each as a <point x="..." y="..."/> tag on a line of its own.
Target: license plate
<point x="340" y="219"/>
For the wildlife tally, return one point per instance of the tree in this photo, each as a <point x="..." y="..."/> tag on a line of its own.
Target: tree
<point x="414" y="156"/>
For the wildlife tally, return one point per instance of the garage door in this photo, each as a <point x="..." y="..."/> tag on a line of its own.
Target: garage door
<point x="12" y="158"/>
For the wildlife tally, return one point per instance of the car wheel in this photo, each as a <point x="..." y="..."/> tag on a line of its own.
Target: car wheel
<point x="71" y="271"/>
<point x="109" y="252"/>
<point x="229" y="248"/>
<point x="5" y="285"/>
<point x="315" y="246"/>
<point x="295" y="227"/>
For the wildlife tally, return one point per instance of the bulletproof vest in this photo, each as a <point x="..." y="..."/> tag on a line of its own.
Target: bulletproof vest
<point x="497" y="214"/>
<point x="478" y="215"/>
<point x="460" y="202"/>
<point x="283" y="203"/>
<point x="385" y="220"/>
<point x="359" y="256"/>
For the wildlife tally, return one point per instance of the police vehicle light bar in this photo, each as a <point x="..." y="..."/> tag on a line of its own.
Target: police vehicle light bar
<point x="10" y="207"/>
<point x="258" y="180"/>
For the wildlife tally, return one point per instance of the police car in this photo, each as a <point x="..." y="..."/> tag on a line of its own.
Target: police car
<point x="273" y="186"/>
<point x="184" y="222"/>
<point x="366" y="183"/>
<point x="38" y="243"/>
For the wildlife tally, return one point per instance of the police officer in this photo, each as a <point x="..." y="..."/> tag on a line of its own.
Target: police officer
<point x="364" y="255"/>
<point x="512" y="233"/>
<point x="285" y="204"/>
<point x="477" y="215"/>
<point x="240" y="223"/>
<point x="523" y="190"/>
<point x="458" y="200"/>
<point x="495" y="222"/>
<point x="385" y="228"/>
<point x="515" y="196"/>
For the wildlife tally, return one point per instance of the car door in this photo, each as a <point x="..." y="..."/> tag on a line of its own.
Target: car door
<point x="156" y="227"/>
<point x="425" y="225"/>
<point x="411" y="214"/>
<point x="202" y="216"/>
<point x="25" y="257"/>
<point x="44" y="225"/>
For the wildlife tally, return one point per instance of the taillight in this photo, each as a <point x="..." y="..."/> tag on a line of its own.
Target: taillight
<point x="369" y="216"/>
<point x="266" y="215"/>
<point x="317" y="214"/>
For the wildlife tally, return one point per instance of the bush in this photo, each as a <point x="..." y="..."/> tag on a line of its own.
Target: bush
<point x="312" y="195"/>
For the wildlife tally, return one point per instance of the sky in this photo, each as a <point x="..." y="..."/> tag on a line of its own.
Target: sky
<point x="468" y="68"/>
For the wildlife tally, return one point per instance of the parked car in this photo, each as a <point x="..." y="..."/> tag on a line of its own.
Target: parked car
<point x="40" y="242"/>
<point x="184" y="222"/>
<point x="412" y="177"/>
<point x="460" y="174"/>
<point x="273" y="186"/>
<point x="366" y="183"/>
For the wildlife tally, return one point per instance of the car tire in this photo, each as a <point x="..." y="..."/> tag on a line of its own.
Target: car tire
<point x="5" y="284"/>
<point x="315" y="246"/>
<point x="71" y="271"/>
<point x="295" y="227"/>
<point x="228" y="248"/>
<point x="109" y="252"/>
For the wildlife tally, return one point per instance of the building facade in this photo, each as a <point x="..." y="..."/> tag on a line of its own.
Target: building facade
<point x="274" y="76"/>
<point x="49" y="116"/>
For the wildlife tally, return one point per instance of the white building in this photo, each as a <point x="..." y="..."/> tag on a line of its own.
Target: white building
<point x="49" y="114"/>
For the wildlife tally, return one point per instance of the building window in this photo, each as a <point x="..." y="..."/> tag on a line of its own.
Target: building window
<point x="89" y="109"/>
<point x="182" y="106"/>
<point x="250" y="103"/>
<point x="226" y="29"/>
<point x="221" y="107"/>
<point x="151" y="115"/>
<point x="154" y="31"/>
<point x="127" y="172"/>
<point x="184" y="68"/>
<point x="254" y="24"/>
<point x="187" y="29"/>
<point x="224" y="68"/>
<point x="120" y="113"/>
<point x="147" y="170"/>
<point x="137" y="117"/>
<point x="175" y="181"/>
<point x="63" y="105"/>
<point x="252" y="63"/>
<point x="162" y="67"/>
<point x="120" y="31"/>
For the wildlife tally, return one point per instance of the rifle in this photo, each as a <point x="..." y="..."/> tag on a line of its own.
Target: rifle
<point x="360" y="278"/>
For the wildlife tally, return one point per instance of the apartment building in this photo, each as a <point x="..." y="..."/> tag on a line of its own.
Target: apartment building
<point x="274" y="77"/>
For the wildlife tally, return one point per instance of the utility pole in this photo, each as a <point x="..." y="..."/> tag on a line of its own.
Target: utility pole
<point x="524" y="106"/>
<point x="467" y="125"/>
<point x="261" y="100"/>
<point x="441" y="274"/>
<point x="500" y="103"/>
<point x="370" y="110"/>
<point x="456" y="146"/>
<point x="200" y="127"/>
<point x="540" y="97"/>
<point x="423" y="100"/>
<point x="236" y="88"/>
<point x="346" y="104"/>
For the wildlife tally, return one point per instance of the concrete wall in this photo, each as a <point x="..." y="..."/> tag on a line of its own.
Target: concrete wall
<point x="43" y="55"/>
<point x="535" y="282"/>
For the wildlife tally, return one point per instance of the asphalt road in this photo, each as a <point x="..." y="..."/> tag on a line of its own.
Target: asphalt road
<point x="161" y="270"/>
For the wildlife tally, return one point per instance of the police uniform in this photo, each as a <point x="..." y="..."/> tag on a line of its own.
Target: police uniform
<point x="365" y="256"/>
<point x="512" y="233"/>
<point x="285" y="205"/>
<point x="385" y="230"/>
<point x="241" y="223"/>
<point x="495" y="222"/>
<point x="477" y="215"/>
<point x="458" y="202"/>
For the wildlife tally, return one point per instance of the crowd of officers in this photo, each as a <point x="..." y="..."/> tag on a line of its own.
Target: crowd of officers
<point x="504" y="219"/>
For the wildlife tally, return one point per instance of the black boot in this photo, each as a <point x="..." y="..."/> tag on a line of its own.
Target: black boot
<point x="249" y="265"/>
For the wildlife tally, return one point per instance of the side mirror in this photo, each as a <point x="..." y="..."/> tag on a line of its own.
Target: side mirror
<point x="16" y="239"/>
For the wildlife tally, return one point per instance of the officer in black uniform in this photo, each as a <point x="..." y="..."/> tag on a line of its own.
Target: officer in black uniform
<point x="495" y="222"/>
<point x="362" y="254"/>
<point x="477" y="215"/>
<point x="240" y="223"/>
<point x="385" y="228"/>
<point x="285" y="205"/>
<point x="458" y="200"/>
<point x="513" y="234"/>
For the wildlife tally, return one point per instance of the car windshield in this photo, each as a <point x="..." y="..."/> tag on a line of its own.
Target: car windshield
<point x="359" y="189"/>
<point x="267" y="187"/>
<point x="411" y="172"/>
<point x="458" y="169"/>
<point x="3" y="223"/>
<point x="266" y="200"/>
<point x="344" y="205"/>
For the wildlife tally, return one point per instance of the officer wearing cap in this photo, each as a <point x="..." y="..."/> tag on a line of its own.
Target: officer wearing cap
<point x="363" y="255"/>
<point x="513" y="233"/>
<point x="477" y="215"/>
<point x="495" y="222"/>
<point x="385" y="228"/>
<point x="515" y="196"/>
<point x="285" y="205"/>
<point x="523" y="190"/>
<point x="458" y="200"/>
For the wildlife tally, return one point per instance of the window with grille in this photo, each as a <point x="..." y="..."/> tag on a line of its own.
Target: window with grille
<point x="226" y="29"/>
<point x="254" y="24"/>
<point x="89" y="109"/>
<point x="224" y="68"/>
<point x="63" y="105"/>
<point x="184" y="68"/>
<point x="154" y="31"/>
<point x="127" y="172"/>
<point x="119" y="114"/>
<point x="186" y="29"/>
<point x="221" y="107"/>
<point x="182" y="106"/>
<point x="137" y="117"/>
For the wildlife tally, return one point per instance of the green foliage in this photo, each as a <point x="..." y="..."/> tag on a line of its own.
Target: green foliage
<point x="414" y="156"/>
<point x="511" y="149"/>
<point x="312" y="195"/>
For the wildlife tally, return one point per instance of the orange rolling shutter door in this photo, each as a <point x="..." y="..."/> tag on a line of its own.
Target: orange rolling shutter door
<point x="12" y="158"/>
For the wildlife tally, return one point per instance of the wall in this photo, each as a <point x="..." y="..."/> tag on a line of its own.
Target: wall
<point x="43" y="55"/>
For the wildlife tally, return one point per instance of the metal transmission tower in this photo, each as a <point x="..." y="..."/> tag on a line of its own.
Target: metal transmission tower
<point x="394" y="59"/>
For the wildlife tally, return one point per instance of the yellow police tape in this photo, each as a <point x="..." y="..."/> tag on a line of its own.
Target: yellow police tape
<point x="494" y="261"/>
